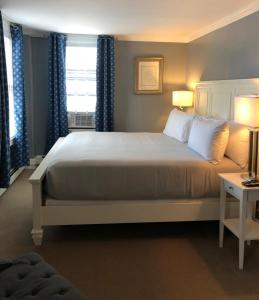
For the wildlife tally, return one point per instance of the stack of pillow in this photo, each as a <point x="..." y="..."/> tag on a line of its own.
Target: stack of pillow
<point x="211" y="138"/>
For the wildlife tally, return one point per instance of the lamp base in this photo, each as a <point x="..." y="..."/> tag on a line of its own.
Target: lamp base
<point x="251" y="183"/>
<point x="251" y="178"/>
<point x="248" y="177"/>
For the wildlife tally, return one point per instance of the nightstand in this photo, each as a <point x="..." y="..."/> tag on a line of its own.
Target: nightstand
<point x="244" y="227"/>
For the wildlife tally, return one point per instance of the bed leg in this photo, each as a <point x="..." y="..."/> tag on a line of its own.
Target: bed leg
<point x="37" y="236"/>
<point x="37" y="230"/>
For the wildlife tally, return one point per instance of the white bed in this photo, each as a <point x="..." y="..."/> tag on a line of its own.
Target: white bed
<point x="140" y="174"/>
<point x="130" y="166"/>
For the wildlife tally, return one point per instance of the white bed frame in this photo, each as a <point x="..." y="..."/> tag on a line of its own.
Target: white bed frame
<point x="214" y="98"/>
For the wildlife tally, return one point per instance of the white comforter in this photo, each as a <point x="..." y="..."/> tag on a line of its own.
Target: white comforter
<point x="130" y="166"/>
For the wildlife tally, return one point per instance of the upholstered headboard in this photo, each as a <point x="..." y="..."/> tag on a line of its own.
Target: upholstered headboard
<point x="216" y="98"/>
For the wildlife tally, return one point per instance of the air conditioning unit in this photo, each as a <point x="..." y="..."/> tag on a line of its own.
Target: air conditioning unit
<point x="81" y="119"/>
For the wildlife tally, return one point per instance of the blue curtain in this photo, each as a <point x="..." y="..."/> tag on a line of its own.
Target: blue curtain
<point x="20" y="144"/>
<point x="105" y="79"/>
<point x="5" y="161"/>
<point x="57" y="118"/>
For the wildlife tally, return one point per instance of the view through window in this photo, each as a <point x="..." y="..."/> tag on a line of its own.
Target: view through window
<point x="9" y="67"/>
<point x="81" y="83"/>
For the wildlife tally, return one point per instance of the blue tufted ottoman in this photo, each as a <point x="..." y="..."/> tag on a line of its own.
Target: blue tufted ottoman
<point x="29" y="277"/>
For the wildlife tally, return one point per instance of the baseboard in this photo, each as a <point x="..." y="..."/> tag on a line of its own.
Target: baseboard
<point x="36" y="160"/>
<point x="13" y="178"/>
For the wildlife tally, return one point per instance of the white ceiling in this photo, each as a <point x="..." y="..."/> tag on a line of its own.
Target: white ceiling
<point x="135" y="20"/>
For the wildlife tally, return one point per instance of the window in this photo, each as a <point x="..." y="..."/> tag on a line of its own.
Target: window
<point x="9" y="67"/>
<point x="81" y="55"/>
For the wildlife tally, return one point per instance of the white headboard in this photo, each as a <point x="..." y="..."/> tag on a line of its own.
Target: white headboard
<point x="216" y="98"/>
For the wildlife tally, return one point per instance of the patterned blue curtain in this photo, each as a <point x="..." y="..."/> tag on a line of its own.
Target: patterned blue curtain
<point x="5" y="161"/>
<point x="57" y="119"/>
<point x="105" y="77"/>
<point x="20" y="144"/>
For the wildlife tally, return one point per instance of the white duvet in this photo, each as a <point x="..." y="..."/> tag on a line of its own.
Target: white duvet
<point x="130" y="166"/>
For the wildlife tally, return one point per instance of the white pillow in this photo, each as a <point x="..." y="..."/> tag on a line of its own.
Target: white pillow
<point x="178" y="125"/>
<point x="209" y="138"/>
<point x="238" y="144"/>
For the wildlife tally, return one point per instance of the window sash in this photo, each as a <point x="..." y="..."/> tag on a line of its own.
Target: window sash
<point x="76" y="80"/>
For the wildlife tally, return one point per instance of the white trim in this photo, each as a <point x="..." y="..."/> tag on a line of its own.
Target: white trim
<point x="6" y="27"/>
<point x="36" y="160"/>
<point x="16" y="175"/>
<point x="13" y="178"/>
<point x="238" y="15"/>
<point x="33" y="162"/>
<point x="12" y="140"/>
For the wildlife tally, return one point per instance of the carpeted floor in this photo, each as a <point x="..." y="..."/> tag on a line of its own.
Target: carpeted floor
<point x="133" y="261"/>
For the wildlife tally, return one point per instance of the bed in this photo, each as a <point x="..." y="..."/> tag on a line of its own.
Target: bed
<point x="130" y="166"/>
<point x="101" y="178"/>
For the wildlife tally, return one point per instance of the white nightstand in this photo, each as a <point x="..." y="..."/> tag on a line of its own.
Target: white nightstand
<point x="245" y="228"/>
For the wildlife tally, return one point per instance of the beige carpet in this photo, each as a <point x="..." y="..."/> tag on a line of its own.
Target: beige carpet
<point x="133" y="261"/>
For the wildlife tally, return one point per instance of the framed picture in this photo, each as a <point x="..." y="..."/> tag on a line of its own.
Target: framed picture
<point x="149" y="75"/>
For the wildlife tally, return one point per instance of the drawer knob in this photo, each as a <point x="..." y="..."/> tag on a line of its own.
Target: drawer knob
<point x="230" y="188"/>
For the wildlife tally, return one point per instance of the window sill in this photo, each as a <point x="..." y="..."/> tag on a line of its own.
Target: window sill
<point x="80" y="129"/>
<point x="83" y="128"/>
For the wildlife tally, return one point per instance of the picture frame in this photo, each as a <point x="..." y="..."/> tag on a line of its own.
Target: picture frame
<point x="149" y="75"/>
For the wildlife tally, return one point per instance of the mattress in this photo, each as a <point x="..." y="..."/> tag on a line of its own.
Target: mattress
<point x="130" y="166"/>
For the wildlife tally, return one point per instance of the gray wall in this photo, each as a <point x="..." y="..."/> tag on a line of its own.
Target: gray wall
<point x="36" y="92"/>
<point x="146" y="112"/>
<point x="231" y="52"/>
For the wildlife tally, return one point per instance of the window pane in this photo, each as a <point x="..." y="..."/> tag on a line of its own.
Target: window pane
<point x="9" y="66"/>
<point x="81" y="79"/>
<point x="81" y="85"/>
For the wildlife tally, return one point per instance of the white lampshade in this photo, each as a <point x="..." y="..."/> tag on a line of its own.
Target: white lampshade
<point x="182" y="98"/>
<point x="247" y="110"/>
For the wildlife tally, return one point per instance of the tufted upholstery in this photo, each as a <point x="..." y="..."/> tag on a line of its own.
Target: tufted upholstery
<point x="29" y="277"/>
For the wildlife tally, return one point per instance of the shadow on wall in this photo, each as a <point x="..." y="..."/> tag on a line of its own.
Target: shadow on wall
<point x="36" y="92"/>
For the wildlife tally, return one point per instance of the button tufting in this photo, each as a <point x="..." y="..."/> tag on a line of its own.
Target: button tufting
<point x="34" y="286"/>
<point x="63" y="291"/>
<point x="8" y="294"/>
<point x="47" y="275"/>
<point x="21" y="276"/>
<point x="35" y="292"/>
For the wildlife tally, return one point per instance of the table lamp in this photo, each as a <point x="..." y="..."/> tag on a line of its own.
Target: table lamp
<point x="182" y="99"/>
<point x="247" y="113"/>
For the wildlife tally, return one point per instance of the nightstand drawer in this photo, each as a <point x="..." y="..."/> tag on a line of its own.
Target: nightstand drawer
<point x="232" y="189"/>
